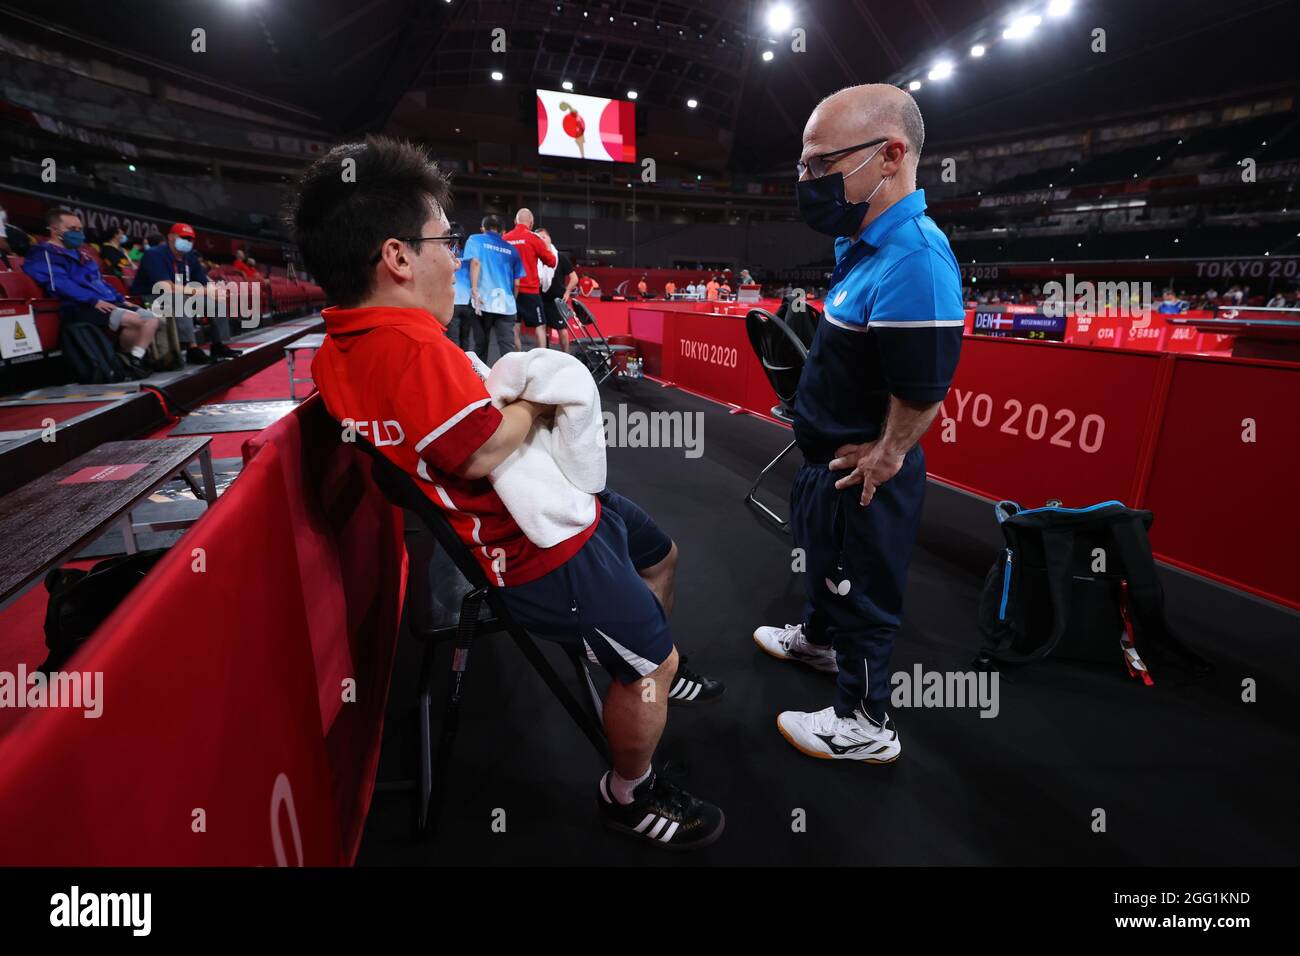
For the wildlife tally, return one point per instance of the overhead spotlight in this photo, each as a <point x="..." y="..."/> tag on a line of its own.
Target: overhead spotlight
<point x="692" y="103"/>
<point x="779" y="18"/>
<point x="941" y="70"/>
<point x="567" y="85"/>
<point x="1022" y="26"/>
<point x="1059" y="8"/>
<point x="914" y="85"/>
<point x="768" y="56"/>
<point x="631" y="94"/>
<point x="130" y="167"/>
<point x="498" y="75"/>
<point x="977" y="50"/>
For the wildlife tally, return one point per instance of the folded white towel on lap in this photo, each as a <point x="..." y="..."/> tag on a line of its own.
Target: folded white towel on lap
<point x="549" y="482"/>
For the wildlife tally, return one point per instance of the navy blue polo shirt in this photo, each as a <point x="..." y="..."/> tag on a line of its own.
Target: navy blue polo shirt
<point x="892" y="325"/>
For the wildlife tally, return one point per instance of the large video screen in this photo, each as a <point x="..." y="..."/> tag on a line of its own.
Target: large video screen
<point x="585" y="127"/>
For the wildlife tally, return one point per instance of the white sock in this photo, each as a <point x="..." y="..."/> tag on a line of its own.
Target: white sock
<point x="622" y="789"/>
<point x="138" y="351"/>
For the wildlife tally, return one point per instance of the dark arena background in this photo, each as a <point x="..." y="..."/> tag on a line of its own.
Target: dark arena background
<point x="647" y="433"/>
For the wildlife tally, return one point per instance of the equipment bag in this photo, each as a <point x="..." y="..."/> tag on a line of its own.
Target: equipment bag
<point x="1080" y="584"/>
<point x="81" y="600"/>
<point x="165" y="350"/>
<point x="90" y="354"/>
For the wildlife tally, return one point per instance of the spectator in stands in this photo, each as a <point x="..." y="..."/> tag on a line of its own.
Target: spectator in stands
<point x="113" y="250"/>
<point x="724" y="289"/>
<point x="13" y="241"/>
<point x="245" y="265"/>
<point x="670" y="289"/>
<point x="532" y="250"/>
<point x="711" y="289"/>
<point x="1277" y="302"/>
<point x="172" y="263"/>
<point x="379" y="245"/>
<point x="1170" y="304"/>
<point x="252" y="264"/>
<point x="588" y="285"/>
<point x="1234" y="296"/>
<point x="643" y="288"/>
<point x="495" y="272"/>
<point x="66" y="272"/>
<point x="560" y="290"/>
<point x="746" y="278"/>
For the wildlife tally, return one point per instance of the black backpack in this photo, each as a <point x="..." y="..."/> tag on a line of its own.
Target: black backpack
<point x="89" y="353"/>
<point x="1078" y="584"/>
<point x="81" y="600"/>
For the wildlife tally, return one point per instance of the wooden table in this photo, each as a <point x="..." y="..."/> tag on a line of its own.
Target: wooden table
<point x="48" y="520"/>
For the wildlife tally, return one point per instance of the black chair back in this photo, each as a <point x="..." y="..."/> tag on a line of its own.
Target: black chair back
<point x="782" y="354"/>
<point x="400" y="489"/>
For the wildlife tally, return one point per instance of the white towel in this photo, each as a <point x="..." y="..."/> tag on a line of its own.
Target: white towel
<point x="549" y="482"/>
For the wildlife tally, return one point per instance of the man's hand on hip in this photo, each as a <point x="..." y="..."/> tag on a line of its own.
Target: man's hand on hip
<point x="872" y="465"/>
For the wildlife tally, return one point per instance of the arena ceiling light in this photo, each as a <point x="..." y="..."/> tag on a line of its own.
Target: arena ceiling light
<point x="1059" y="8"/>
<point x="692" y="103"/>
<point x="498" y="75"/>
<point x="1022" y="26"/>
<point x="977" y="50"/>
<point x="780" y="18"/>
<point x="631" y="94"/>
<point x="768" y="56"/>
<point x="914" y="85"/>
<point x="567" y="86"/>
<point x="940" y="71"/>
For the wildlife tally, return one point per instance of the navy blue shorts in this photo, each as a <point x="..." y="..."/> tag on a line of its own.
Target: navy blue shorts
<point x="598" y="601"/>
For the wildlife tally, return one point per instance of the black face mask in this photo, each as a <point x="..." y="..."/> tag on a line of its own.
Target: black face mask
<point x="824" y="208"/>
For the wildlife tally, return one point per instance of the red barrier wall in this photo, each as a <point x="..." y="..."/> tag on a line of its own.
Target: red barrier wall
<point x="220" y="686"/>
<point x="1032" y="421"/>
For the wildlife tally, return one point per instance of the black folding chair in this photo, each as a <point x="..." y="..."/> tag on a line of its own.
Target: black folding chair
<point x="400" y="489"/>
<point x="595" y="350"/>
<point x="782" y="353"/>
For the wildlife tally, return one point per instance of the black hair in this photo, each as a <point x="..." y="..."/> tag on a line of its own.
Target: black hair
<point x="491" y="223"/>
<point x="55" y="213"/>
<point x="345" y="210"/>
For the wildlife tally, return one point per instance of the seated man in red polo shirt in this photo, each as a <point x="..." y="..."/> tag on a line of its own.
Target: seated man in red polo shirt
<point x="379" y="243"/>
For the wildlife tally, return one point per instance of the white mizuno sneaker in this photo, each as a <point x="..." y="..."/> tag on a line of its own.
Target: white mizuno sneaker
<point x="789" y="644"/>
<point x="825" y="735"/>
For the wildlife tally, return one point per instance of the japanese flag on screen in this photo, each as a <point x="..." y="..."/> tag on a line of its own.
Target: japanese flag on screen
<point x="585" y="127"/>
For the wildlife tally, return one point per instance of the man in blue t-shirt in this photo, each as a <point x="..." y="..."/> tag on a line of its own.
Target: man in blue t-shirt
<point x="461" y="327"/>
<point x="881" y="361"/>
<point x="495" y="269"/>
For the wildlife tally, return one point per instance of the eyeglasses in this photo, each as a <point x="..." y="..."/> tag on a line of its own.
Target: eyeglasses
<point x="818" y="165"/>
<point x="453" y="240"/>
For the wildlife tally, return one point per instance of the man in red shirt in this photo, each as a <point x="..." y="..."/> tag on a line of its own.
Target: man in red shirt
<point x="528" y="300"/>
<point x="380" y="244"/>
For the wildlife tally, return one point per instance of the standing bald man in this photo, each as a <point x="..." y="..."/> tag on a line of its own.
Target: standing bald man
<point x="881" y="361"/>
<point x="531" y="247"/>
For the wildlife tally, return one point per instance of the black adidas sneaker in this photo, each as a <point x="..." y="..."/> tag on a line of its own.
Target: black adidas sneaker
<point x="692" y="688"/>
<point x="662" y="813"/>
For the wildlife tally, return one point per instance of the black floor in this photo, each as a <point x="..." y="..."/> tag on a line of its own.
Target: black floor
<point x="1185" y="773"/>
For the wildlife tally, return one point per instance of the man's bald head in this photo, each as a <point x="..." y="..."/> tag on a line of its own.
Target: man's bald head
<point x="524" y="217"/>
<point x="858" y="113"/>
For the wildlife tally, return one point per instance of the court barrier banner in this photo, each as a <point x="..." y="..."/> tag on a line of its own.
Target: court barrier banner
<point x="1032" y="421"/>
<point x="243" y="683"/>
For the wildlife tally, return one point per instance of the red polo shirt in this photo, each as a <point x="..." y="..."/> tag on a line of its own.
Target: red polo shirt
<point x="413" y="394"/>
<point x="530" y="247"/>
